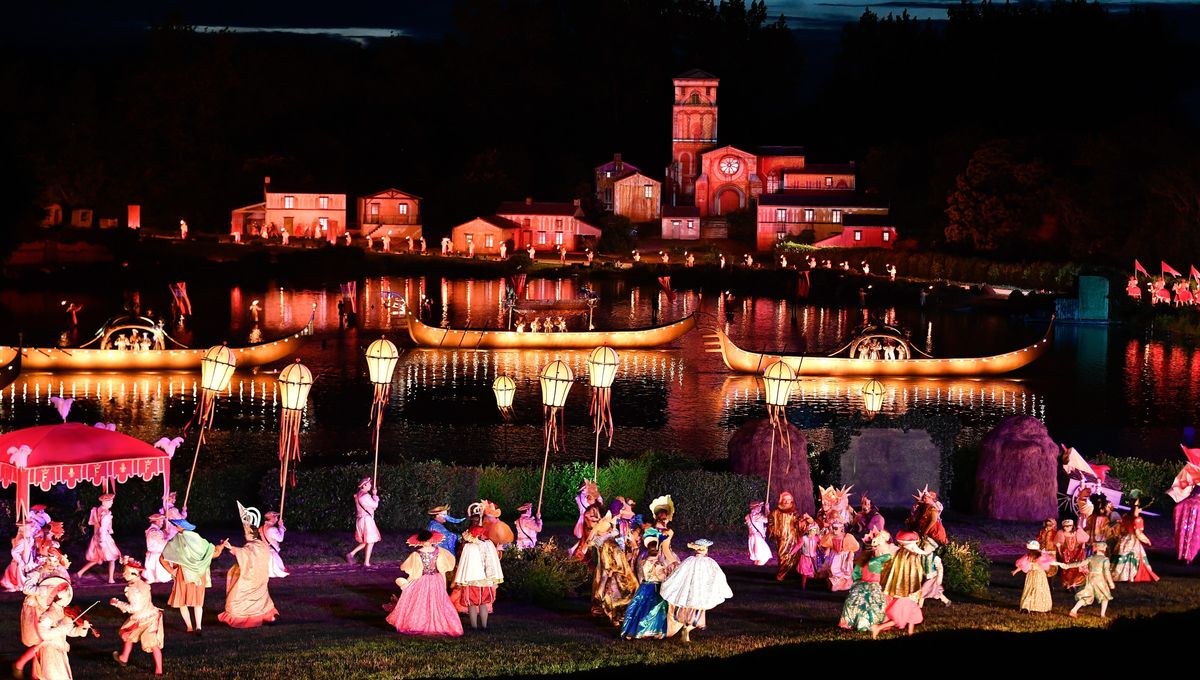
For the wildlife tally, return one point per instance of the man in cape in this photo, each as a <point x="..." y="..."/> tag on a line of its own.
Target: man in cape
<point x="188" y="557"/>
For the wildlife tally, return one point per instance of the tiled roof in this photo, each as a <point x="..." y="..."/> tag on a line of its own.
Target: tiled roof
<point x="537" y="208"/>
<point x="499" y="222"/>
<point x="697" y="74"/>
<point x="680" y="211"/>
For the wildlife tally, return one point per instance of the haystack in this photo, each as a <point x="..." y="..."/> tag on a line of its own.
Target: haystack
<point x="750" y="454"/>
<point x="1017" y="477"/>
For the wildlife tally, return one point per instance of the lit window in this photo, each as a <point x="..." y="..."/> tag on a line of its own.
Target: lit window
<point x="675" y="223"/>
<point x="525" y="222"/>
<point x="780" y="235"/>
<point x="289" y="201"/>
<point x="375" y="210"/>
<point x="608" y="173"/>
<point x="558" y="224"/>
<point x="858" y="234"/>
<point x="487" y="240"/>
<point x="648" y="191"/>
<point x="887" y="235"/>
<point x="808" y="214"/>
<point x="837" y="216"/>
<point x="558" y="238"/>
<point x="324" y="222"/>
<point x="470" y="237"/>
<point x="541" y="238"/>
<point x="403" y="208"/>
<point x="828" y="181"/>
<point x="323" y="202"/>
<point x="691" y="225"/>
<point x="781" y="214"/>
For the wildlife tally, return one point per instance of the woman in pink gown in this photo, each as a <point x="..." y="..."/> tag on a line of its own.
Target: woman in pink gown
<point x="366" y="533"/>
<point x="424" y="607"/>
<point x="102" y="547"/>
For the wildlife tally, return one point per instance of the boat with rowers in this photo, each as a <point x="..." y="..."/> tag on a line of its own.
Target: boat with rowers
<point x="877" y="350"/>
<point x="460" y="338"/>
<point x="112" y="350"/>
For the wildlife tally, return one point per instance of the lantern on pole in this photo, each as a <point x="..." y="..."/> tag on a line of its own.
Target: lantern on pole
<point x="382" y="358"/>
<point x="505" y="389"/>
<point x="602" y="370"/>
<point x="294" y="383"/>
<point x="216" y="369"/>
<point x="778" y="380"/>
<point x="556" y="379"/>
<point x="872" y="394"/>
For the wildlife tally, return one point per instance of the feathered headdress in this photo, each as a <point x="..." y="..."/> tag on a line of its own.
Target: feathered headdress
<point x="920" y="494"/>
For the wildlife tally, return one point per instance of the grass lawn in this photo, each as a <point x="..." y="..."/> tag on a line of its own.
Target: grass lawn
<point x="333" y="624"/>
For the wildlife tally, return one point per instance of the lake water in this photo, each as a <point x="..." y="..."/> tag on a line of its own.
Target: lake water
<point x="1098" y="388"/>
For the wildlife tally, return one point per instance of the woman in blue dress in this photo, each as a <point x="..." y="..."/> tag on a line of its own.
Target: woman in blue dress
<point x="646" y="616"/>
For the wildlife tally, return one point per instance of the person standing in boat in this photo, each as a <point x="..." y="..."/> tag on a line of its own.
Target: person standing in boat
<point x="254" y="310"/>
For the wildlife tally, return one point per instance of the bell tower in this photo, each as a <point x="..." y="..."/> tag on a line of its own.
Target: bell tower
<point x="693" y="131"/>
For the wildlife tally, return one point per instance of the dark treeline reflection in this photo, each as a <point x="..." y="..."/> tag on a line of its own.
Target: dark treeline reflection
<point x="1064" y="127"/>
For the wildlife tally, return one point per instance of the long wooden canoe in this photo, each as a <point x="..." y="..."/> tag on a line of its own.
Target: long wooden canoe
<point x="74" y="359"/>
<point x="453" y="338"/>
<point x="745" y="361"/>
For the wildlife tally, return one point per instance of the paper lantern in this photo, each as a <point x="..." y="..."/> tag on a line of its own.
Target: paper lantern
<point x="505" y="390"/>
<point x="602" y="367"/>
<point x="382" y="358"/>
<point x="872" y="394"/>
<point x="294" y="383"/>
<point x="556" y="379"/>
<point x="216" y="368"/>
<point x="778" y="380"/>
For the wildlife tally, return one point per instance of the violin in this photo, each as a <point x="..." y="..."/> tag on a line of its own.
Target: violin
<point x="76" y="615"/>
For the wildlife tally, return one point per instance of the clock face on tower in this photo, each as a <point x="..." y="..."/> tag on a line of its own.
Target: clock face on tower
<point x="729" y="165"/>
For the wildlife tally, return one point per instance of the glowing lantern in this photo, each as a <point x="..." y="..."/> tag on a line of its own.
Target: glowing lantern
<point x="505" y="389"/>
<point x="294" y="383"/>
<point x="872" y="394"/>
<point x="778" y="380"/>
<point x="556" y="379"/>
<point x="602" y="370"/>
<point x="382" y="358"/>
<point x="216" y="369"/>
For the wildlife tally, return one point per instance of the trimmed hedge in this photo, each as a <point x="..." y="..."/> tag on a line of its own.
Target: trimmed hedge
<point x="705" y="501"/>
<point x="544" y="574"/>
<point x="511" y="487"/>
<point x="967" y="570"/>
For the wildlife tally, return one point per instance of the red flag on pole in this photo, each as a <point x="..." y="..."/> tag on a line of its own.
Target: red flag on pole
<point x="1195" y="274"/>
<point x="665" y="282"/>
<point x="1167" y="269"/>
<point x="1137" y="267"/>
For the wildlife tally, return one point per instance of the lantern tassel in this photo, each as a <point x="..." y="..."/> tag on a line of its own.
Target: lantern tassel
<point x="205" y="409"/>
<point x="382" y="393"/>
<point x="289" y="445"/>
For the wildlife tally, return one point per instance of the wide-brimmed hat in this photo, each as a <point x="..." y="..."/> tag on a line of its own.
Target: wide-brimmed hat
<point x="40" y="507"/>
<point x="439" y="509"/>
<point x="425" y="537"/>
<point x="107" y="497"/>
<point x="651" y="534"/>
<point x="700" y="543"/>
<point x="907" y="537"/>
<point x="755" y="505"/>
<point x="157" y="517"/>
<point x="1033" y="545"/>
<point x="524" y="506"/>
<point x="57" y="583"/>
<point x="364" y="481"/>
<point x="663" y="504"/>
<point x="184" y="524"/>
<point x="128" y="562"/>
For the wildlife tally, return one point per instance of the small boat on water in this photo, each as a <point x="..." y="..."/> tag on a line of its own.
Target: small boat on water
<point x="112" y="350"/>
<point x="877" y="350"/>
<point x="454" y="338"/>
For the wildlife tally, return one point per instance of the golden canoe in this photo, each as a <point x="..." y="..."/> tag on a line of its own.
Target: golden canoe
<point x="73" y="359"/>
<point x="452" y="338"/>
<point x="744" y="361"/>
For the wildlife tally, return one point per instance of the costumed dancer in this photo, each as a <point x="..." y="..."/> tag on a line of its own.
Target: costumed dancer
<point x="932" y="587"/>
<point x="841" y="548"/>
<point x="37" y="517"/>
<point x="1098" y="585"/>
<point x="188" y="558"/>
<point x="156" y="540"/>
<point x="102" y="547"/>
<point x="424" y="608"/>
<point x="498" y="532"/>
<point x="903" y="613"/>
<point x="54" y="626"/>
<point x="1070" y="546"/>
<point x="614" y="581"/>
<point x="906" y="572"/>
<point x="696" y="586"/>
<point x="272" y="534"/>
<point x="1132" y="564"/>
<point x="756" y="526"/>
<point x="248" y="602"/>
<point x="624" y="519"/>
<point x="366" y="533"/>
<point x="172" y="513"/>
<point x="528" y="527"/>
<point x="867" y="520"/>
<point x="866" y="604"/>
<point x="588" y="496"/>
<point x="1035" y="596"/>
<point x="1185" y="491"/>
<point x="440" y="517"/>
<point x="835" y="505"/>
<point x="663" y="511"/>
<point x="1046" y="538"/>
<point x="590" y="518"/>
<point x="22" y="552"/>
<point x="646" y="615"/>
<point x="40" y="588"/>
<point x="926" y="516"/>
<point x="783" y="528"/>
<point x="477" y="576"/>
<point x="145" y="622"/>
<point x="811" y="563"/>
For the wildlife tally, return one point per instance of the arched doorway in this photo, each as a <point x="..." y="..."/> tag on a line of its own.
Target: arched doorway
<point x="728" y="200"/>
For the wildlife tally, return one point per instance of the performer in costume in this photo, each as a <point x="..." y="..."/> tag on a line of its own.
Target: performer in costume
<point x="866" y="604"/>
<point x="663" y="510"/>
<point x="1132" y="564"/>
<point x="102" y="548"/>
<point x="172" y="513"/>
<point x="589" y="495"/>
<point x="1070" y="546"/>
<point x="935" y="572"/>
<point x="248" y="602"/>
<point x="867" y="520"/>
<point x="477" y="576"/>
<point x="188" y="558"/>
<point x="156" y="540"/>
<point x="1098" y="585"/>
<point x="1035" y="596"/>
<point x="528" y="527"/>
<point x="646" y="616"/>
<point x="591" y="516"/>
<point x="694" y="587"/>
<point x="1046" y="538"/>
<point x="783" y="528"/>
<point x="366" y="533"/>
<point x="498" y="532"/>
<point x="424" y="608"/>
<point x="614" y="581"/>
<point x="272" y="534"/>
<point x="926" y="516"/>
<point x="835" y="506"/>
<point x="40" y="588"/>
<point x="54" y="626"/>
<point x="145" y="622"/>
<point x="1187" y="526"/>
<point x="841" y="548"/>
<point x="810" y="560"/>
<point x="756" y="526"/>
<point x="623" y="519"/>
<point x="22" y="560"/>
<point x="906" y="571"/>
<point x="38" y="517"/>
<point x="440" y="518"/>
<point x="903" y="613"/>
